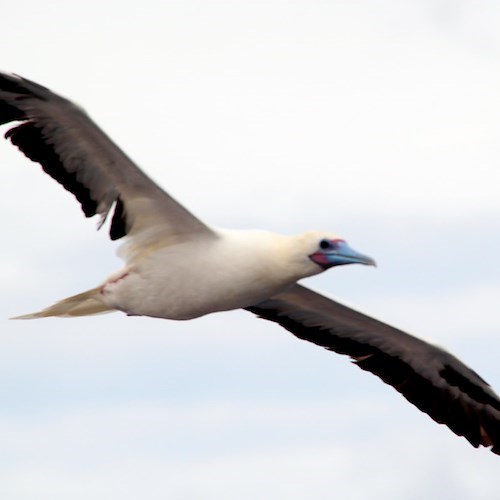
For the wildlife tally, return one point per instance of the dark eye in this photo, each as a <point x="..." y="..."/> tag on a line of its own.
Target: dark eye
<point x="324" y="244"/>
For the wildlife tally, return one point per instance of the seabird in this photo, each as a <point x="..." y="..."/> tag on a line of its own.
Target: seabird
<point x="177" y="267"/>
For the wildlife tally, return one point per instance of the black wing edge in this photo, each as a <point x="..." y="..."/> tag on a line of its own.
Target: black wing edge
<point x="33" y="139"/>
<point x="448" y="391"/>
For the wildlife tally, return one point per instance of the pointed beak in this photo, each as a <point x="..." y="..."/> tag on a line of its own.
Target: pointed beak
<point x="340" y="254"/>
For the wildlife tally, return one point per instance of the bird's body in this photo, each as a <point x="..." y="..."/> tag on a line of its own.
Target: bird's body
<point x="230" y="270"/>
<point x="177" y="267"/>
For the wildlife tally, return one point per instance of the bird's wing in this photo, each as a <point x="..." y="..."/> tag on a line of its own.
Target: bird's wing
<point x="432" y="379"/>
<point x="76" y="153"/>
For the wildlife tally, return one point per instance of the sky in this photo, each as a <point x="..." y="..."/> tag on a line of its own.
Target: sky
<point x="379" y="121"/>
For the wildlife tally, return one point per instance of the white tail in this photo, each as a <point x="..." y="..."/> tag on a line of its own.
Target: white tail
<point x="83" y="304"/>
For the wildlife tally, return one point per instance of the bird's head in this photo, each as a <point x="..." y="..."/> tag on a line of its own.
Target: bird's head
<point x="328" y="250"/>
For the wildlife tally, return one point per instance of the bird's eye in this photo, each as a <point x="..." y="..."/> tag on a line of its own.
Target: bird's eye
<point x="325" y="244"/>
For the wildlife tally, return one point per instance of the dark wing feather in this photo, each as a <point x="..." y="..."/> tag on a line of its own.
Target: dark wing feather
<point x="429" y="377"/>
<point x="77" y="154"/>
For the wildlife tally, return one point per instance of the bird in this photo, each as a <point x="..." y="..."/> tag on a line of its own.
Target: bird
<point x="179" y="268"/>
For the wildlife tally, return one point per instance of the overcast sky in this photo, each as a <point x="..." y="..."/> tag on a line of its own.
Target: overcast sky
<point x="376" y="120"/>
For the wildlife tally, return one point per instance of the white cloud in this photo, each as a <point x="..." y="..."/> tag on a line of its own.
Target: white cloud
<point x="210" y="451"/>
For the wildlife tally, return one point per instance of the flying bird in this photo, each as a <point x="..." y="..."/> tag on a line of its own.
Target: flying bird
<point x="179" y="268"/>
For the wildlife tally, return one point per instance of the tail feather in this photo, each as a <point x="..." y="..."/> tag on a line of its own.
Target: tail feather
<point x="83" y="304"/>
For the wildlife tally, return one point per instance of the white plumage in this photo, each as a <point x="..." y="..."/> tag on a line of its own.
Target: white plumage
<point x="187" y="279"/>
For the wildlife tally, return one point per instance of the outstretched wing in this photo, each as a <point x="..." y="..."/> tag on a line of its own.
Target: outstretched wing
<point x="432" y="379"/>
<point x="76" y="153"/>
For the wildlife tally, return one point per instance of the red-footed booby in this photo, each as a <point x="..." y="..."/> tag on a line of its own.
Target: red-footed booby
<point x="177" y="267"/>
